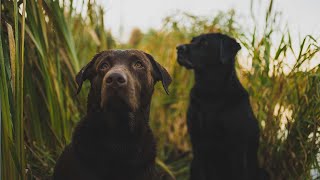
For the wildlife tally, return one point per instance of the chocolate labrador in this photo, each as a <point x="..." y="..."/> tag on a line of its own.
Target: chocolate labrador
<point x="114" y="141"/>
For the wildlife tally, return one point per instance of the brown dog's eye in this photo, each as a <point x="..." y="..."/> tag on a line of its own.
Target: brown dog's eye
<point x="104" y="66"/>
<point x="138" y="64"/>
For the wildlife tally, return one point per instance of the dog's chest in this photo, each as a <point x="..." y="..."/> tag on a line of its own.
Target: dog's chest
<point x="205" y="118"/>
<point x="109" y="156"/>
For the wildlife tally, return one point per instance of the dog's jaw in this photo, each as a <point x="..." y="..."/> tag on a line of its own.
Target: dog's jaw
<point x="184" y="61"/>
<point x="120" y="98"/>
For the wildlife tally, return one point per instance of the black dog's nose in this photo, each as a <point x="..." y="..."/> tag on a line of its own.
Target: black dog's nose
<point x="182" y="48"/>
<point x="116" y="79"/>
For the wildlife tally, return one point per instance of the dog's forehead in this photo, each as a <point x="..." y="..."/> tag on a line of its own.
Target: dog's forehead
<point x="197" y="38"/>
<point x="212" y="37"/>
<point x="123" y="54"/>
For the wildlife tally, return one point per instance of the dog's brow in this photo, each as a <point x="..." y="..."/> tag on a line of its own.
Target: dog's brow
<point x="102" y="58"/>
<point x="106" y="57"/>
<point x="134" y="56"/>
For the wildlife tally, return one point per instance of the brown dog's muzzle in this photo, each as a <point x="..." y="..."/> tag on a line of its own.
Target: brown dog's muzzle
<point x="119" y="90"/>
<point x="116" y="79"/>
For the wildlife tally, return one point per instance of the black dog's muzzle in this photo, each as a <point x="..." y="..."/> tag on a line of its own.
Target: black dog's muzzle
<point x="182" y="51"/>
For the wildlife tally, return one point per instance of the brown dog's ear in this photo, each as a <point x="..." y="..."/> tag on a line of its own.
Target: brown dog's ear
<point x="84" y="73"/>
<point x="161" y="73"/>
<point x="228" y="49"/>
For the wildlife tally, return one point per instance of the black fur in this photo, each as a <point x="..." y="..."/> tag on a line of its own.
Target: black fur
<point x="223" y="130"/>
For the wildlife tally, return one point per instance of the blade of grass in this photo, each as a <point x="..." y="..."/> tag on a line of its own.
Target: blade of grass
<point x="164" y="167"/>
<point x="8" y="171"/>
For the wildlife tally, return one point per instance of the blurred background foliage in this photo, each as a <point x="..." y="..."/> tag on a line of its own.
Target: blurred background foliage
<point x="44" y="43"/>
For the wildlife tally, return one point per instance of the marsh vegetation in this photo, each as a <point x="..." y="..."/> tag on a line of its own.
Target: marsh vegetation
<point x="44" y="43"/>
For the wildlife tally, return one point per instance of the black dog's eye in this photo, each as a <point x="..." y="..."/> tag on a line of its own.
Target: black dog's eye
<point x="104" y="66"/>
<point x="203" y="42"/>
<point x="138" y="64"/>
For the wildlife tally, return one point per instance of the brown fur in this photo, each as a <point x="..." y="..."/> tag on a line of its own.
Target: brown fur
<point x="114" y="141"/>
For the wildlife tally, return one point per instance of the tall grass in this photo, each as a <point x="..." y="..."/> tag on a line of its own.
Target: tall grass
<point x="38" y="104"/>
<point x="12" y="96"/>
<point x="43" y="43"/>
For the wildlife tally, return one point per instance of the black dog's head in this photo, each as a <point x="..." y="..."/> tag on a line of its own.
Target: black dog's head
<point x="122" y="79"/>
<point x="207" y="50"/>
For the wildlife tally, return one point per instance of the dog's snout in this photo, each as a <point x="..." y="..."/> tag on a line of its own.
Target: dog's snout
<point x="116" y="79"/>
<point x="181" y="48"/>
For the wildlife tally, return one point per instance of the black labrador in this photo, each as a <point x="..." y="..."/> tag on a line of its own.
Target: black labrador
<point x="114" y="141"/>
<point x="223" y="129"/>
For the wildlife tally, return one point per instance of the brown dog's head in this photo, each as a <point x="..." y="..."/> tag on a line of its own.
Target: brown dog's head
<point x="122" y="79"/>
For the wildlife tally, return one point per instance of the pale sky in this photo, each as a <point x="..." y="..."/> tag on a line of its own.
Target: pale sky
<point x="303" y="16"/>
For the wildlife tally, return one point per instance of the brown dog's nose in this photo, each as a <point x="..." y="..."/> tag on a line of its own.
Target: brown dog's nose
<point x="116" y="80"/>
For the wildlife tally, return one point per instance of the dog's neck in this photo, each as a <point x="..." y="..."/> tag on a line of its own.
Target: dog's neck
<point x="217" y="81"/>
<point x="117" y="123"/>
<point x="120" y="122"/>
<point x="117" y="119"/>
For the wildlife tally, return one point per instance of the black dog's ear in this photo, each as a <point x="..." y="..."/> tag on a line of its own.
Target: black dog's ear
<point x="229" y="48"/>
<point x="161" y="73"/>
<point x="84" y="73"/>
